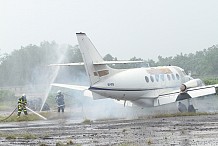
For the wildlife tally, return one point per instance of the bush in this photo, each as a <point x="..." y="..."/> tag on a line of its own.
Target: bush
<point x="210" y="81"/>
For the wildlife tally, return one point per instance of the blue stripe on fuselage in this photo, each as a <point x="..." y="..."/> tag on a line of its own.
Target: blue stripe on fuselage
<point x="106" y="89"/>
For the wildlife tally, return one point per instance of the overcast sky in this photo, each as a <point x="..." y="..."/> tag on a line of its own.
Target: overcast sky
<point x="141" y="28"/>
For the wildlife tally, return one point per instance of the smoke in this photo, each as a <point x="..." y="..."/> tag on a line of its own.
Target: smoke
<point x="85" y="107"/>
<point x="102" y="109"/>
<point x="106" y="109"/>
<point x="206" y="104"/>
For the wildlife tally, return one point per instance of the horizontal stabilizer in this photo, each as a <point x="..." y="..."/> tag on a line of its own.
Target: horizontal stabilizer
<point x="68" y="64"/>
<point x="97" y="63"/>
<point x="75" y="87"/>
<point x="116" y="62"/>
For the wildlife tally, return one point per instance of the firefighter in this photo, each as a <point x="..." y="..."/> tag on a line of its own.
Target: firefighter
<point x="22" y="101"/>
<point x="60" y="101"/>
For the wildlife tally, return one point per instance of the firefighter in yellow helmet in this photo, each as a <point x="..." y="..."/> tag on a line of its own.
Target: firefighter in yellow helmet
<point x="22" y="101"/>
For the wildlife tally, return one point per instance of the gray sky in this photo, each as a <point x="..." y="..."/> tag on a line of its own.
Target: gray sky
<point x="141" y="28"/>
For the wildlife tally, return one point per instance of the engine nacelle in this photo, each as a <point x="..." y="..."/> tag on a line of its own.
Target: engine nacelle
<point x="194" y="83"/>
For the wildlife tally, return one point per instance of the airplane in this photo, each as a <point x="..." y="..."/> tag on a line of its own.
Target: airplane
<point x="143" y="87"/>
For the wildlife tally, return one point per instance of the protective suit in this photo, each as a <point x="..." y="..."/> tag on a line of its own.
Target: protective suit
<point x="60" y="101"/>
<point x="22" y="101"/>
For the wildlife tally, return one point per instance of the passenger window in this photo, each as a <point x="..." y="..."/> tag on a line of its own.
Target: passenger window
<point x="157" y="77"/>
<point x="152" y="79"/>
<point x="173" y="76"/>
<point x="177" y="76"/>
<point x="162" y="77"/>
<point x="146" y="79"/>
<point x="168" y="77"/>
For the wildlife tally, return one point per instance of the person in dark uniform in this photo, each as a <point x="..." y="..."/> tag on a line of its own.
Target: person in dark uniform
<point x="182" y="96"/>
<point x="60" y="101"/>
<point x="22" y="101"/>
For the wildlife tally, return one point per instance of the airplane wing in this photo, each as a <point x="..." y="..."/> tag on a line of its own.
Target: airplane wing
<point x="75" y="87"/>
<point x="84" y="89"/>
<point x="193" y="92"/>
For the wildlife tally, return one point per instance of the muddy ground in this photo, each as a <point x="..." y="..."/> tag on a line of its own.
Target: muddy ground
<point x="124" y="128"/>
<point x="187" y="130"/>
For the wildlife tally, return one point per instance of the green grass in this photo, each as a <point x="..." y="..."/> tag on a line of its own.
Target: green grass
<point x="181" y="114"/>
<point x="29" y="117"/>
<point x="210" y="81"/>
<point x="29" y="136"/>
<point x="69" y="142"/>
<point x="149" y="141"/>
<point x="14" y="136"/>
<point x="5" y="106"/>
<point x="127" y="144"/>
<point x="10" y="137"/>
<point x="42" y="144"/>
<point x="60" y="144"/>
<point x="87" y="121"/>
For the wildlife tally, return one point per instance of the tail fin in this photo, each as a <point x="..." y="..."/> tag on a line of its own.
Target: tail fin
<point x="90" y="56"/>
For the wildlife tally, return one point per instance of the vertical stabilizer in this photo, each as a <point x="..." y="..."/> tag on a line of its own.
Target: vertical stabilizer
<point x="90" y="55"/>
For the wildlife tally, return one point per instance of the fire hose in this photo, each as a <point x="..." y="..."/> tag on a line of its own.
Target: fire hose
<point x="9" y="115"/>
<point x="26" y="108"/>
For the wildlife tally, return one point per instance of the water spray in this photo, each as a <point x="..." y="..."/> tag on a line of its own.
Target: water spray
<point x="36" y="113"/>
<point x="53" y="77"/>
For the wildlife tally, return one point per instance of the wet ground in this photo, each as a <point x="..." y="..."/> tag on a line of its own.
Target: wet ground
<point x="125" y="128"/>
<point x="188" y="130"/>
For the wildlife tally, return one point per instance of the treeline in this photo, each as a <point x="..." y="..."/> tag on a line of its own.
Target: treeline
<point x="29" y="65"/>
<point x="202" y="63"/>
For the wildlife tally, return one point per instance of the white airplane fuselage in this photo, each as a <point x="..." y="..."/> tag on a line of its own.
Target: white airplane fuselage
<point x="140" y="83"/>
